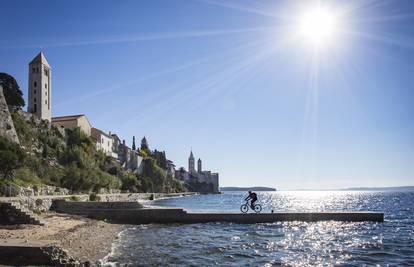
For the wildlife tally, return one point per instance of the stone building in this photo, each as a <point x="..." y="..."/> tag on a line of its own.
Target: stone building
<point x="103" y="142"/>
<point x="129" y="159"/>
<point x="202" y="181"/>
<point x="191" y="163"/>
<point x="144" y="143"/>
<point x="73" y="121"/>
<point x="170" y="168"/>
<point x="40" y="88"/>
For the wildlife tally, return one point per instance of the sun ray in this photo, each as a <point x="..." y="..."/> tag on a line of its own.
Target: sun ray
<point x="243" y="8"/>
<point x="144" y="38"/>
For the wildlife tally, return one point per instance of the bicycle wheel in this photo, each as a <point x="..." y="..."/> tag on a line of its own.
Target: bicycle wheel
<point x="244" y="208"/>
<point x="257" y="208"/>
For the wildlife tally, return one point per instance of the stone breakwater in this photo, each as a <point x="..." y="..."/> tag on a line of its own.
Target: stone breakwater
<point x="127" y="214"/>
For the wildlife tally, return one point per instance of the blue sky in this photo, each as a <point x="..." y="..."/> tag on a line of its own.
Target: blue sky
<point x="235" y="82"/>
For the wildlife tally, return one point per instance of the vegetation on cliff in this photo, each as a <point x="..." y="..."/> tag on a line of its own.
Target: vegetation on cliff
<point x="70" y="160"/>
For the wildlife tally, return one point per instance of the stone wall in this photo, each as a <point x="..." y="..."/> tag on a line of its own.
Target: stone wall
<point x="79" y="207"/>
<point x="6" y="123"/>
<point x="43" y="203"/>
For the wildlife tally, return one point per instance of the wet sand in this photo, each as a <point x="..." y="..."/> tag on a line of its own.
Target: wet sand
<point x="84" y="239"/>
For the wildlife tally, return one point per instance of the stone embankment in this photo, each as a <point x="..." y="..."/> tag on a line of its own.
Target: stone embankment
<point x="14" y="213"/>
<point x="43" y="203"/>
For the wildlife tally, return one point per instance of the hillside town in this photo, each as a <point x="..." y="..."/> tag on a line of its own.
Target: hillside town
<point x="109" y="142"/>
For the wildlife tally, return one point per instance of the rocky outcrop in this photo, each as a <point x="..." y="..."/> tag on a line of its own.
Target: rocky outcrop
<point x="6" y="123"/>
<point x="15" y="252"/>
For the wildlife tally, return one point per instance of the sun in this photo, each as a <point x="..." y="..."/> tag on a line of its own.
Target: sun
<point x="318" y="26"/>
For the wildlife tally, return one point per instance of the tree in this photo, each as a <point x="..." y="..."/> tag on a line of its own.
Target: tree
<point x="11" y="90"/>
<point x="11" y="157"/>
<point x="133" y="143"/>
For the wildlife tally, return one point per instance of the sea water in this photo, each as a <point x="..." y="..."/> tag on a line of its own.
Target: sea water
<point x="328" y="243"/>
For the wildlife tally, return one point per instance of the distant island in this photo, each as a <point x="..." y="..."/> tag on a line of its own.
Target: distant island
<point x="256" y="188"/>
<point x="393" y="188"/>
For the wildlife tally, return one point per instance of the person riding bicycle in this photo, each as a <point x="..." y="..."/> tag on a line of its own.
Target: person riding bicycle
<point x="252" y="197"/>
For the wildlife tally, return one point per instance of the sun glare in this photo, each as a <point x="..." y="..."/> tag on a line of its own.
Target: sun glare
<point x="318" y="26"/>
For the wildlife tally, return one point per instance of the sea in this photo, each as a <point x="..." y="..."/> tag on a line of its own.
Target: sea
<point x="327" y="243"/>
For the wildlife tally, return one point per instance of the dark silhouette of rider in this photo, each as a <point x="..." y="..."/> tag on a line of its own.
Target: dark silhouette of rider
<point x="252" y="197"/>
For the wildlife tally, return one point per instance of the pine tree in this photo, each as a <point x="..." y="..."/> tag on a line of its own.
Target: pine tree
<point x="133" y="143"/>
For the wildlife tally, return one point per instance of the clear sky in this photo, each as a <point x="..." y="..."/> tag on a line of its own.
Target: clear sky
<point x="236" y="81"/>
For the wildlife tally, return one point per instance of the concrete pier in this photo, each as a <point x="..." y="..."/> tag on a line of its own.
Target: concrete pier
<point x="131" y="215"/>
<point x="146" y="216"/>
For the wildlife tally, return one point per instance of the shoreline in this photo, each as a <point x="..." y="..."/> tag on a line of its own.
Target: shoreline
<point x="88" y="241"/>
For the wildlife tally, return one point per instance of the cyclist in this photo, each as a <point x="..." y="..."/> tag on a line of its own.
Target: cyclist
<point x="252" y="197"/>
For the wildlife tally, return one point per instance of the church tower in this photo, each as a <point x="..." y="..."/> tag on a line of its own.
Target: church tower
<point x="191" y="163"/>
<point x="144" y="143"/>
<point x="199" y="169"/>
<point x="40" y="88"/>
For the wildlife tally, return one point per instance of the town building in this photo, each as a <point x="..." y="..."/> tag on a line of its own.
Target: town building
<point x="170" y="168"/>
<point x="73" y="121"/>
<point x="103" y="142"/>
<point x="202" y="181"/>
<point x="40" y="88"/>
<point x="129" y="159"/>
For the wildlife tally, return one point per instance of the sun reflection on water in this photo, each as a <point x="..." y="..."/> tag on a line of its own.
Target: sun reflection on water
<point x="325" y="243"/>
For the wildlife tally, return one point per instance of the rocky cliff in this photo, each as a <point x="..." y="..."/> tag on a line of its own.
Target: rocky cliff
<point x="6" y="123"/>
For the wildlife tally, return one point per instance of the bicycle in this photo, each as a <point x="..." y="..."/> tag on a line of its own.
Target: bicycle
<point x="245" y="207"/>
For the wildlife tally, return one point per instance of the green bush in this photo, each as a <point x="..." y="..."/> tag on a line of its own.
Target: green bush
<point x="74" y="198"/>
<point x="130" y="182"/>
<point x="11" y="157"/>
<point x="24" y="130"/>
<point x="39" y="202"/>
<point x="94" y="197"/>
<point x="37" y="211"/>
<point x="26" y="177"/>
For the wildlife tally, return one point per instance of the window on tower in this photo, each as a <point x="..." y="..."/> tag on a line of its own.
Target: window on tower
<point x="46" y="85"/>
<point x="46" y="72"/>
<point x="46" y="102"/>
<point x="34" y="108"/>
<point x="35" y="84"/>
<point x="33" y="70"/>
<point x="34" y="91"/>
<point x="34" y="99"/>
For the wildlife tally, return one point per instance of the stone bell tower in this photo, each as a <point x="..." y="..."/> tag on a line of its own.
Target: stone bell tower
<point x="191" y="163"/>
<point x="40" y="88"/>
<point x="199" y="167"/>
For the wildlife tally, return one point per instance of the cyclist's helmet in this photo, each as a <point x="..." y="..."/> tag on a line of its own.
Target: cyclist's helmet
<point x="250" y="192"/>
